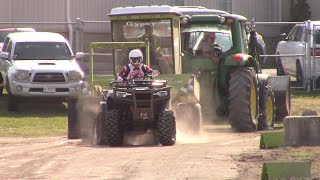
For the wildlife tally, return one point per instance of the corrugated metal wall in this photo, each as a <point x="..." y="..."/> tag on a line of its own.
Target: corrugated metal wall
<point x="97" y="10"/>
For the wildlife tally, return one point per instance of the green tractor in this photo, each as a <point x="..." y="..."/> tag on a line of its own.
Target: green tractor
<point x="233" y="88"/>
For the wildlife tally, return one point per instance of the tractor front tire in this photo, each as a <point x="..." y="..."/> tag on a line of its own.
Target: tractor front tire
<point x="243" y="100"/>
<point x="166" y="128"/>
<point x="114" y="134"/>
<point x="267" y="108"/>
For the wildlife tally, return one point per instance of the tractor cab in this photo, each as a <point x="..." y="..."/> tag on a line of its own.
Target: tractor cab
<point x="156" y="28"/>
<point x="224" y="27"/>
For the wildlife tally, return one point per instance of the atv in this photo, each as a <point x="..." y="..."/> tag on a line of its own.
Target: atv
<point x="136" y="105"/>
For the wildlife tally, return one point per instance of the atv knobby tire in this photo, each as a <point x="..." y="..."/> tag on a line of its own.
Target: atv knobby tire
<point x="166" y="126"/>
<point x="243" y="100"/>
<point x="188" y="117"/>
<point x="114" y="134"/>
<point x="267" y="108"/>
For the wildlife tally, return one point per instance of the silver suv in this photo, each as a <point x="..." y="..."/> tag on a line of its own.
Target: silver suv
<point x="299" y="54"/>
<point x="39" y="65"/>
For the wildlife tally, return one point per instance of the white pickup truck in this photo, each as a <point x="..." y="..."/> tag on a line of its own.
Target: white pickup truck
<point x="39" y="65"/>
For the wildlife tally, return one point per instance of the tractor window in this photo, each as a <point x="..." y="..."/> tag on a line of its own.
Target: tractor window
<point x="157" y="32"/>
<point x="192" y="41"/>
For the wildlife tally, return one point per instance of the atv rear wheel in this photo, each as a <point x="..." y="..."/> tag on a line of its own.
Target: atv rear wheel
<point x="267" y="109"/>
<point x="189" y="116"/>
<point x="113" y="135"/>
<point x="243" y="99"/>
<point x="166" y="128"/>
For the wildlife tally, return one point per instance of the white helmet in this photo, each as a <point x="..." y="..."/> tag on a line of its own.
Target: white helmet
<point x="135" y="56"/>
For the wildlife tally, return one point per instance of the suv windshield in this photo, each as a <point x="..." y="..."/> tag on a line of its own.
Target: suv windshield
<point x="41" y="51"/>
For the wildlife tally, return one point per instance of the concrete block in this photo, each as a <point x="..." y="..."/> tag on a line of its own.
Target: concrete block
<point x="302" y="131"/>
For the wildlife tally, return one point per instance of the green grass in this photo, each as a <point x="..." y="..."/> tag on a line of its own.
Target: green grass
<point x="33" y="119"/>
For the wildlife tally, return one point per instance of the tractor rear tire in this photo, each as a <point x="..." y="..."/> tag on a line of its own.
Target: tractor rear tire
<point x="166" y="126"/>
<point x="114" y="134"/>
<point x="267" y="108"/>
<point x="243" y="100"/>
<point x="189" y="116"/>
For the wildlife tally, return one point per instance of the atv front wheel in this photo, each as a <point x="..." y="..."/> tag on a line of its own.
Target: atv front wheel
<point x="243" y="99"/>
<point x="113" y="135"/>
<point x="166" y="128"/>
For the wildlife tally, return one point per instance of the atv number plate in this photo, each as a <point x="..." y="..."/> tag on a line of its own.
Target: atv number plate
<point x="144" y="115"/>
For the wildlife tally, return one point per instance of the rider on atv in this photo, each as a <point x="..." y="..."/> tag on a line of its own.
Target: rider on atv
<point x="135" y="69"/>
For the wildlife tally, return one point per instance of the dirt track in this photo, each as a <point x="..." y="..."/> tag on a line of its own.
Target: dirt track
<point x="204" y="157"/>
<point x="216" y="154"/>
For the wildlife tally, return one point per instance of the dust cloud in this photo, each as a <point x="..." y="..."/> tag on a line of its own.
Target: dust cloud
<point x="88" y="111"/>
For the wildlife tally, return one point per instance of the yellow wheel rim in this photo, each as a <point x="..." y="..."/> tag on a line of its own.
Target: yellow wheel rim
<point x="269" y="110"/>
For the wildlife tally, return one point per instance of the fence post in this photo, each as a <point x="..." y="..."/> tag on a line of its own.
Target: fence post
<point x="78" y="35"/>
<point x="308" y="58"/>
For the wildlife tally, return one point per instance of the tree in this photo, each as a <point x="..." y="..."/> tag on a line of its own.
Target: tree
<point x="300" y="10"/>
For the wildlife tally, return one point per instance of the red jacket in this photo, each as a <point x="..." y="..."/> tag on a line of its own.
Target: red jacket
<point x="131" y="72"/>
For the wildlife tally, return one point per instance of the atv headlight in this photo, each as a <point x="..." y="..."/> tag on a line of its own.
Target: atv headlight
<point x="161" y="93"/>
<point x="159" y="83"/>
<point x="122" y="94"/>
<point x="22" y="75"/>
<point x="75" y="75"/>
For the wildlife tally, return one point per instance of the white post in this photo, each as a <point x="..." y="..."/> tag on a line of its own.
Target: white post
<point x="308" y="58"/>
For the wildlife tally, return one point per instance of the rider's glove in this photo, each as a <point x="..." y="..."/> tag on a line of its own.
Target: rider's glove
<point x="119" y="79"/>
<point x="155" y="73"/>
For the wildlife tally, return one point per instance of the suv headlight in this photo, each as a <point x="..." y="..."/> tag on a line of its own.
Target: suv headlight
<point x="161" y="93"/>
<point x="75" y="75"/>
<point x="22" y="75"/>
